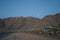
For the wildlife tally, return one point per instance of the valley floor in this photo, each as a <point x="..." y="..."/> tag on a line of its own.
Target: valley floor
<point x="26" y="36"/>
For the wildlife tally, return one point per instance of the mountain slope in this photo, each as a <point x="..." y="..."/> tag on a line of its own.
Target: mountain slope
<point x="17" y="24"/>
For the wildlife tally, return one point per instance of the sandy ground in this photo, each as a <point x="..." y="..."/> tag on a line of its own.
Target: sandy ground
<point x="26" y="36"/>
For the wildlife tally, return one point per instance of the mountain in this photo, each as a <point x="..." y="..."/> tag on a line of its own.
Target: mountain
<point x="50" y="20"/>
<point x="17" y="24"/>
<point x="21" y="23"/>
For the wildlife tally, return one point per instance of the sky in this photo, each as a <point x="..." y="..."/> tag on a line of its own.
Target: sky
<point x="25" y="8"/>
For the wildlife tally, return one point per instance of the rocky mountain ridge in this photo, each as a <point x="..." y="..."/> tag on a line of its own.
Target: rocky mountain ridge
<point x="18" y="24"/>
<point x="22" y="23"/>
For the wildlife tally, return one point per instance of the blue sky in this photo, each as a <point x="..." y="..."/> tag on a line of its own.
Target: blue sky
<point x="35" y="8"/>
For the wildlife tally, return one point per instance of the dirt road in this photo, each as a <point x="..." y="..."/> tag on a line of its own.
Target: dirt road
<point x="26" y="36"/>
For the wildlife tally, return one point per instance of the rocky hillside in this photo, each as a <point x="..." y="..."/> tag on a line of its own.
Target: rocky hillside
<point x="22" y="23"/>
<point x="17" y="24"/>
<point x="50" y="20"/>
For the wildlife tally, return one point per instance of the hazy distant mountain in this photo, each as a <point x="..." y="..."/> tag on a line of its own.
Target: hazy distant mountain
<point x="14" y="24"/>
